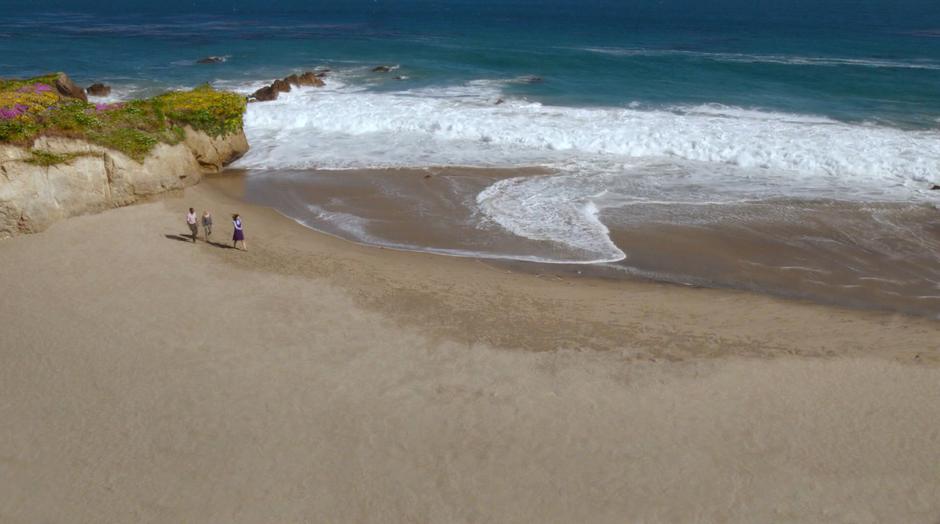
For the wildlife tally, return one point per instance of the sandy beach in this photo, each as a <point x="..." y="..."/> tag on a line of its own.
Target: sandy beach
<point x="147" y="379"/>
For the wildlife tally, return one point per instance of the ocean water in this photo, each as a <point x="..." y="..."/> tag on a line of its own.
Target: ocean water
<point x="627" y="108"/>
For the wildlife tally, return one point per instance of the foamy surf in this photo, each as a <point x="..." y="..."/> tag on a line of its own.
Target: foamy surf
<point x="343" y="128"/>
<point x="604" y="158"/>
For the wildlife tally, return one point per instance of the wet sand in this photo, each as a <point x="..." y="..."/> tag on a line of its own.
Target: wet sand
<point x="145" y="378"/>
<point x="864" y="255"/>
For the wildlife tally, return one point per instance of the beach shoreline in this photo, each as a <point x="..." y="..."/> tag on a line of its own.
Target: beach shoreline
<point x="864" y="255"/>
<point x="432" y="271"/>
<point x="311" y="378"/>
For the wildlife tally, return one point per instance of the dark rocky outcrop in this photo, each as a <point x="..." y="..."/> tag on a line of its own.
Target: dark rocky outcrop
<point x="311" y="79"/>
<point x="211" y="60"/>
<point x="293" y="79"/>
<point x="935" y="187"/>
<point x="281" y="86"/>
<point x="67" y="88"/>
<point x="383" y="69"/>
<point x="265" y="94"/>
<point x="271" y="92"/>
<point x="98" y="89"/>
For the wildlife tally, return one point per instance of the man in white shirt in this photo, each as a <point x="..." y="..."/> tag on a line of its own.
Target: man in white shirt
<point x="191" y="221"/>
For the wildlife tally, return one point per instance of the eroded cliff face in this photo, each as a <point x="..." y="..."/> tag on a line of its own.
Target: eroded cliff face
<point x="95" y="178"/>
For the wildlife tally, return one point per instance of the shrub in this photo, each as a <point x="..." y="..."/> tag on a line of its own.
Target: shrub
<point x="217" y="113"/>
<point x="32" y="107"/>
<point x="48" y="158"/>
<point x="132" y="142"/>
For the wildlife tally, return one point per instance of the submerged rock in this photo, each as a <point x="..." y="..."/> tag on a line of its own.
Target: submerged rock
<point x="66" y="87"/>
<point x="98" y="89"/>
<point x="935" y="187"/>
<point x="384" y="69"/>
<point x="211" y="60"/>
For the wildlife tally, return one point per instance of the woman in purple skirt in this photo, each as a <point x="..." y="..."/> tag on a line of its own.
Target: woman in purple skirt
<point x="239" y="234"/>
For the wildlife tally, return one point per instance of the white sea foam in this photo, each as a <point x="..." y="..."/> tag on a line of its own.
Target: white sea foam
<point x="545" y="208"/>
<point x="338" y="127"/>
<point x="605" y="157"/>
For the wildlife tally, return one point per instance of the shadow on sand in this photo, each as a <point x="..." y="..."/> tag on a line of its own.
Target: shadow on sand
<point x="189" y="239"/>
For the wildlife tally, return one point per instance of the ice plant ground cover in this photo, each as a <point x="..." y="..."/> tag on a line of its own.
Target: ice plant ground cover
<point x="32" y="107"/>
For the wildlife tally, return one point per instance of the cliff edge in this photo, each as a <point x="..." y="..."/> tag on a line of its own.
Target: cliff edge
<point x="61" y="156"/>
<point x="93" y="178"/>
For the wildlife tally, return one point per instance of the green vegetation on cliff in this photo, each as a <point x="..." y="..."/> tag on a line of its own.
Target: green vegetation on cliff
<point x="47" y="158"/>
<point x="33" y="107"/>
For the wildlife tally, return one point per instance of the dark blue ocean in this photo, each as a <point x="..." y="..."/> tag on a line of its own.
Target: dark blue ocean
<point x="874" y="60"/>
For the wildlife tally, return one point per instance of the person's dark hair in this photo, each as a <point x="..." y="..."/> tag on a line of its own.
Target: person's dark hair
<point x="191" y="210"/>
<point x="234" y="216"/>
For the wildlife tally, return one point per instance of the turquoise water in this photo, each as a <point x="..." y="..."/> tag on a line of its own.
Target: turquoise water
<point x="869" y="61"/>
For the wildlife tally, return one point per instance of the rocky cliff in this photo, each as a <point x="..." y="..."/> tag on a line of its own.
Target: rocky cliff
<point x="85" y="177"/>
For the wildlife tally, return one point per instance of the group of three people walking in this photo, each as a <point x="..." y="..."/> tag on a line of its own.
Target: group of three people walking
<point x="237" y="236"/>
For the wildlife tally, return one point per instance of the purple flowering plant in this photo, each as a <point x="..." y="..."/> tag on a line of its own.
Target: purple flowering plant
<point x="108" y="107"/>
<point x="35" y="88"/>
<point x="9" y="113"/>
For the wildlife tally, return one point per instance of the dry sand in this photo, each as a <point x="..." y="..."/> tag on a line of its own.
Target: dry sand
<point x="146" y="379"/>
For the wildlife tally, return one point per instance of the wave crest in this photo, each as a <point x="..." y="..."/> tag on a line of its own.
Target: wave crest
<point x="340" y="128"/>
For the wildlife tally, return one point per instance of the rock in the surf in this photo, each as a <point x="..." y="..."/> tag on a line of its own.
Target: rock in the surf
<point x="292" y="79"/>
<point x="307" y="79"/>
<point x="265" y="94"/>
<point x="312" y="79"/>
<point x="383" y="69"/>
<point x="98" y="89"/>
<point x="283" y="85"/>
<point x="211" y="60"/>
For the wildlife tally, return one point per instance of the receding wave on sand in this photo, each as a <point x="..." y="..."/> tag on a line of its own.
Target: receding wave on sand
<point x="864" y="255"/>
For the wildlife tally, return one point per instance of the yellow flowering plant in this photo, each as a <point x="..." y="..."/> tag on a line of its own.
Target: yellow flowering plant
<point x="33" y="107"/>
